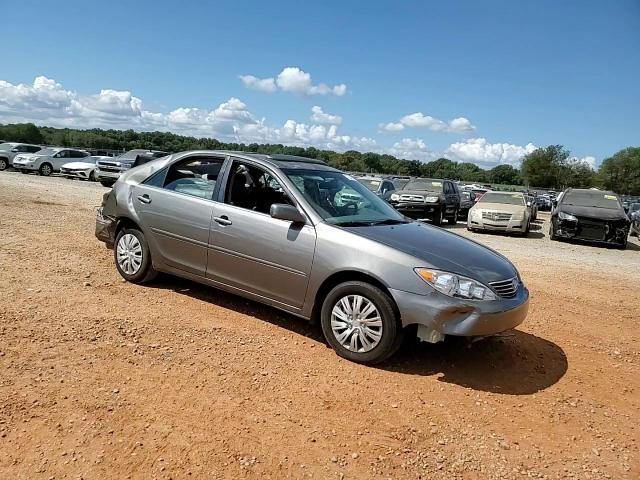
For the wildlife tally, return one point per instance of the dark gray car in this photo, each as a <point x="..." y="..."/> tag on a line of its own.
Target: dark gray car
<point x="277" y="229"/>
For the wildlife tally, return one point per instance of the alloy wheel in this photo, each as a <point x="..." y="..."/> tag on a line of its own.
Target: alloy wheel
<point x="46" y="170"/>
<point x="129" y="254"/>
<point x="356" y="323"/>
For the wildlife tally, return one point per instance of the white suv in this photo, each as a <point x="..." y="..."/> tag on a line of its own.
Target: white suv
<point x="9" y="150"/>
<point x="47" y="160"/>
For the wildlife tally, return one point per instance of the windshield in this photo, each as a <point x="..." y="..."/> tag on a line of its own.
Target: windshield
<point x="341" y="200"/>
<point x="6" y="146"/>
<point x="591" y="198"/>
<point x="506" y="198"/>
<point x="48" y="151"/>
<point x="424" y="184"/>
<point x="371" y="184"/>
<point x="399" y="183"/>
<point x="131" y="154"/>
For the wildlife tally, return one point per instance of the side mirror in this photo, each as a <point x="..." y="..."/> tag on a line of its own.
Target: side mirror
<point x="528" y="204"/>
<point x="289" y="213"/>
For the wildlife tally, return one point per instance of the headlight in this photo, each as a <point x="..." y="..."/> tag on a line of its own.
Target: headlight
<point x="455" y="285"/>
<point x="518" y="215"/>
<point x="431" y="199"/>
<point x="395" y="197"/>
<point x="475" y="213"/>
<point x="568" y="217"/>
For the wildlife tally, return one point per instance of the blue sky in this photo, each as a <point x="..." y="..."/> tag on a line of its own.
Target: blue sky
<point x="477" y="81"/>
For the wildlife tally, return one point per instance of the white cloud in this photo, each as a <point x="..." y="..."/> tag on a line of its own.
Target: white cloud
<point x="483" y="153"/>
<point x="318" y="116"/>
<point x="255" y="83"/>
<point x="589" y="160"/>
<point x="420" y="120"/>
<point x="293" y="80"/>
<point x="411" y="149"/>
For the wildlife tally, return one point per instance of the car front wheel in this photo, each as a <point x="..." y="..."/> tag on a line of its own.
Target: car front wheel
<point x="454" y="218"/>
<point x="45" y="169"/>
<point x="132" y="256"/>
<point x="360" y="323"/>
<point x="3" y="164"/>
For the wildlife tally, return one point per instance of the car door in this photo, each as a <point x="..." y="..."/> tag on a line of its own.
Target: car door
<point x="175" y="206"/>
<point x="60" y="158"/>
<point x="252" y="251"/>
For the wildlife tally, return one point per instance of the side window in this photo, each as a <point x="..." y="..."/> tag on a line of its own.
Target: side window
<point x="446" y="188"/>
<point x="254" y="188"/>
<point x="21" y="148"/>
<point x="63" y="154"/>
<point x="76" y="154"/>
<point x="387" y="187"/>
<point x="157" y="179"/>
<point x="33" y="148"/>
<point x="194" y="176"/>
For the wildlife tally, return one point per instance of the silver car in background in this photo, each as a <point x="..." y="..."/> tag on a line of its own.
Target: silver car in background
<point x="501" y="211"/>
<point x="47" y="160"/>
<point x="109" y="169"/>
<point x="276" y="229"/>
<point x="9" y="150"/>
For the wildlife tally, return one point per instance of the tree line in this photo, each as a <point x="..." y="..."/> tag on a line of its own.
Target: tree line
<point x="548" y="167"/>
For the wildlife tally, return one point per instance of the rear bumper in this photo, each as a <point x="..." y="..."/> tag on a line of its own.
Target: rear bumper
<point x="24" y="166"/>
<point x="105" y="229"/>
<point x="460" y="317"/>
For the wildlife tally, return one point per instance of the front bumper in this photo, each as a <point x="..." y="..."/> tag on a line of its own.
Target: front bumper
<point x="105" y="228"/>
<point x="107" y="174"/>
<point x="612" y="232"/>
<point x="461" y="317"/>
<point x="24" y="165"/>
<point x="74" y="173"/>
<point x="509" y="226"/>
<point x="417" y="209"/>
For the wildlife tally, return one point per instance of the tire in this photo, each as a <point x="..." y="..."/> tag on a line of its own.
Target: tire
<point x="107" y="183"/>
<point x="24" y="171"/>
<point x="3" y="164"/>
<point x="552" y="232"/>
<point x="453" y="220"/>
<point x="92" y="176"/>
<point x="45" y="169"/>
<point x="438" y="218"/>
<point x="131" y="240"/>
<point x="384" y="336"/>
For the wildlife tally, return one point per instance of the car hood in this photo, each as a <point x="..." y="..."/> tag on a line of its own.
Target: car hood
<point x="594" y="212"/>
<point x="442" y="250"/>
<point x="499" y="207"/>
<point x="78" y="165"/>
<point x="424" y="193"/>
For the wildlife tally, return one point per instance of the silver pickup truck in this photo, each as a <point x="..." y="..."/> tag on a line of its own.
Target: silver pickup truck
<point x="108" y="171"/>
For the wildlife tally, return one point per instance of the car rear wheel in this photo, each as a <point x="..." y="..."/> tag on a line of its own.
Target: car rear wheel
<point x="45" y="169"/>
<point x="92" y="176"/>
<point x="3" y="164"/>
<point x="132" y="256"/>
<point x="107" y="183"/>
<point x="360" y="323"/>
<point x="552" y="232"/>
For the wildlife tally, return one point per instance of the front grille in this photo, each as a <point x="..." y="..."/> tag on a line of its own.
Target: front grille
<point x="109" y="168"/>
<point x="496" y="216"/>
<point x="411" y="198"/>
<point x="591" y="230"/>
<point x="506" y="288"/>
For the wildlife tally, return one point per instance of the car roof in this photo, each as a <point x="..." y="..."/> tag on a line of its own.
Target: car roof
<point x="276" y="159"/>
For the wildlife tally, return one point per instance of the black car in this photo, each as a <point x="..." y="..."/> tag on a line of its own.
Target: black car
<point x="544" y="203"/>
<point x="428" y="198"/>
<point x="467" y="200"/>
<point x="590" y="215"/>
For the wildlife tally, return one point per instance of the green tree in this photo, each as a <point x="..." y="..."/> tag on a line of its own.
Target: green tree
<point x="544" y="166"/>
<point x="621" y="172"/>
<point x="504" y="174"/>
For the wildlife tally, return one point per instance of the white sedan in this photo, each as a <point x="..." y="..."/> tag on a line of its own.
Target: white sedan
<point x="84" y="169"/>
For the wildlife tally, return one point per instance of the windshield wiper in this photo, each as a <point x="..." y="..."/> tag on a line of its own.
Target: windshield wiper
<point x="389" y="221"/>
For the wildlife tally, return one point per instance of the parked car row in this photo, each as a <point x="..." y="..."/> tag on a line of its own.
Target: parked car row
<point x="71" y="162"/>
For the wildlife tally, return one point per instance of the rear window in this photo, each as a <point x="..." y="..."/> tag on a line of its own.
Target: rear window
<point x="506" y="198"/>
<point x="372" y="185"/>
<point x="593" y="198"/>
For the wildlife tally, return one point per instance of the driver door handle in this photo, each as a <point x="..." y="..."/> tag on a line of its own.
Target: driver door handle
<point x="144" y="198"/>
<point x="223" y="220"/>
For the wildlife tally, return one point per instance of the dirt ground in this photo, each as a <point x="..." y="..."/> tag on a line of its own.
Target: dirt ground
<point x="105" y="379"/>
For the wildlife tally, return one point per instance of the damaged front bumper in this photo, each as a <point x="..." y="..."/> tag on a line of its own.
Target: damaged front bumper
<point x="444" y="315"/>
<point x="603" y="231"/>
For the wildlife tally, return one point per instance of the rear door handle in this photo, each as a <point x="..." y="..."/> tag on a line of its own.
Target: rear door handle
<point x="144" y="198"/>
<point x="223" y="220"/>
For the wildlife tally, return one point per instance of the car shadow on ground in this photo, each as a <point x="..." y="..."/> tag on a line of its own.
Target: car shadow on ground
<point x="514" y="363"/>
